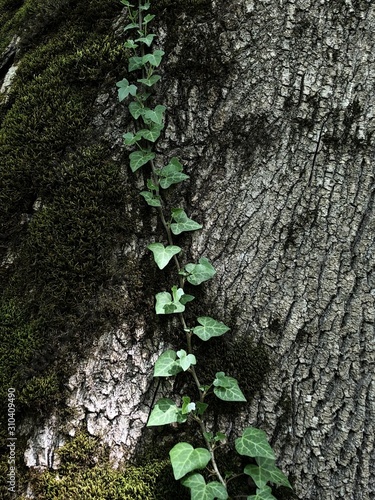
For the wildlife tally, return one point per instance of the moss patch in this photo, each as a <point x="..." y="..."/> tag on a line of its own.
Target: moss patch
<point x="86" y="474"/>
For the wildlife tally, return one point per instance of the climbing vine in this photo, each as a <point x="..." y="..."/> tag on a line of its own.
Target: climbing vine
<point x="185" y="459"/>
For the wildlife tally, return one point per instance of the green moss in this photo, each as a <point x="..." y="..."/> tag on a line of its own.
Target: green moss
<point x="85" y="473"/>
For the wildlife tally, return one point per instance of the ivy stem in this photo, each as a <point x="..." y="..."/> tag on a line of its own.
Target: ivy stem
<point x="212" y="452"/>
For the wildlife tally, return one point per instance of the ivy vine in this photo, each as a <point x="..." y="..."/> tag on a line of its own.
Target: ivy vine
<point x="185" y="459"/>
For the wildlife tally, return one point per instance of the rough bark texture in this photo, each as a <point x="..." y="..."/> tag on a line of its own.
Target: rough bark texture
<point x="271" y="110"/>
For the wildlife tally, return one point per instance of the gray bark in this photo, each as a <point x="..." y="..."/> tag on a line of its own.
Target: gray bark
<point x="271" y="110"/>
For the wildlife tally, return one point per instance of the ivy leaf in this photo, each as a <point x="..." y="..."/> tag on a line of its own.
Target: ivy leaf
<point x="187" y="405"/>
<point x="264" y="493"/>
<point x="162" y="254"/>
<point x="130" y="26"/>
<point x="202" y="491"/>
<point x="266" y="471"/>
<point x="164" y="412"/>
<point x="182" y="222"/>
<point x="130" y="138"/>
<point x="170" y="304"/>
<point x="254" y="443"/>
<point x="166" y="365"/>
<point x="151" y="199"/>
<point x="226" y="388"/>
<point x="152" y="134"/>
<point x="210" y="328"/>
<point x="146" y="39"/>
<point x="135" y="62"/>
<point x="155" y="115"/>
<point x="185" y="458"/>
<point x="136" y="109"/>
<point x="198" y="273"/>
<point x="154" y="59"/>
<point x="148" y="18"/>
<point x="130" y="44"/>
<point x="172" y="174"/>
<point x="145" y="6"/>
<point x="201" y="407"/>
<point x="140" y="158"/>
<point x="149" y="82"/>
<point x="186" y="360"/>
<point x="124" y="89"/>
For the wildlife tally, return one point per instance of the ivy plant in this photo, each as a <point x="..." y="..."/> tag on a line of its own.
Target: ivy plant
<point x="149" y="122"/>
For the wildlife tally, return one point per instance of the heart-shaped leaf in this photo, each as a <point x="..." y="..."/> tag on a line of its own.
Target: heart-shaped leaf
<point x="162" y="254"/>
<point x="210" y="328"/>
<point x="183" y="223"/>
<point x="172" y="174"/>
<point x="185" y="458"/>
<point x="226" y="388"/>
<point x="198" y="273"/>
<point x="202" y="491"/>
<point x="154" y="59"/>
<point x="254" y="443"/>
<point x="140" y="158"/>
<point x="125" y="88"/>
<point x="166" y="365"/>
<point x="164" y="412"/>
<point x="266" y="471"/>
<point x="264" y="493"/>
<point x="186" y="360"/>
<point x="151" y="199"/>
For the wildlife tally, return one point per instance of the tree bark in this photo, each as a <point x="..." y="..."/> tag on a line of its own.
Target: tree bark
<point x="271" y="111"/>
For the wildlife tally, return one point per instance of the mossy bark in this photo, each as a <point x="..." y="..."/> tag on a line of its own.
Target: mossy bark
<point x="269" y="109"/>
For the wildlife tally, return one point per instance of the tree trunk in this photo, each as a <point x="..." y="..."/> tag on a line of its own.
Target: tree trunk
<point x="271" y="111"/>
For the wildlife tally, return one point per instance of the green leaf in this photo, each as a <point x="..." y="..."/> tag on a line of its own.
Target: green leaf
<point x="172" y="174"/>
<point x="136" y="109"/>
<point x="186" y="360"/>
<point x="198" y="273"/>
<point x="135" y="62"/>
<point x="166" y="365"/>
<point x="124" y="89"/>
<point x="130" y="26"/>
<point x="149" y="82"/>
<point x="165" y="412"/>
<point x="155" y="115"/>
<point x="168" y="304"/>
<point x="266" y="471"/>
<point x="264" y="493"/>
<point x="226" y="388"/>
<point x="162" y="254"/>
<point x="146" y="39"/>
<point x="145" y="6"/>
<point x="148" y="18"/>
<point x="254" y="443"/>
<point x="140" y="158"/>
<point x="187" y="405"/>
<point x="186" y="298"/>
<point x="154" y="59"/>
<point x="185" y="458"/>
<point x="201" y="407"/>
<point x="130" y="44"/>
<point x="182" y="222"/>
<point x="130" y="138"/>
<point x="210" y="328"/>
<point x="151" y="199"/>
<point x="202" y="491"/>
<point x="152" y="133"/>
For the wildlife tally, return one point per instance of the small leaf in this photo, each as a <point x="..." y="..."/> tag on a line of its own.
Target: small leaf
<point x="136" y="109"/>
<point x="169" y="304"/>
<point x="185" y="458"/>
<point x="148" y="18"/>
<point x="130" y="44"/>
<point x="187" y="405"/>
<point x="186" y="360"/>
<point x="154" y="59"/>
<point x="254" y="443"/>
<point x="146" y="39"/>
<point x="198" y="273"/>
<point x="210" y="328"/>
<point x="130" y="26"/>
<point x="135" y="62"/>
<point x="162" y="254"/>
<point x="140" y="158"/>
<point x="152" y="134"/>
<point x="186" y="298"/>
<point x="124" y="89"/>
<point x="172" y="174"/>
<point x="145" y="6"/>
<point x="201" y="408"/>
<point x="264" y="493"/>
<point x="267" y="471"/>
<point x="155" y="115"/>
<point x="226" y="388"/>
<point x="165" y="412"/>
<point x="202" y="491"/>
<point x="166" y="365"/>
<point x="151" y="199"/>
<point x="183" y="223"/>
<point x="149" y="82"/>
